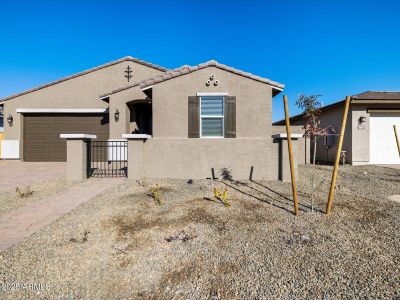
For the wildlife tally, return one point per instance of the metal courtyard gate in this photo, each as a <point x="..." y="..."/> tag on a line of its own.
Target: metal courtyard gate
<point x="107" y="158"/>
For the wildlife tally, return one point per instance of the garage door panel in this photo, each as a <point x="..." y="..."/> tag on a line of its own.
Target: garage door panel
<point x="87" y="127"/>
<point x="383" y="147"/>
<point x="38" y="145"/>
<point x="36" y="155"/>
<point x="57" y="155"/>
<point x="42" y="133"/>
<point x="59" y="126"/>
<point x="38" y="135"/>
<point x="53" y="145"/>
<point x="37" y="126"/>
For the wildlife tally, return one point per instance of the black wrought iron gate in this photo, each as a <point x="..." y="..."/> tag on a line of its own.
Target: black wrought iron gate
<point x="107" y="158"/>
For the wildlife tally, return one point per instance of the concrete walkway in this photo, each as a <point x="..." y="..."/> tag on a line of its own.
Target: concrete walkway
<point x="25" y="220"/>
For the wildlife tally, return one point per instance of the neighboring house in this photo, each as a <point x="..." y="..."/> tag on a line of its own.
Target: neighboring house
<point x="369" y="136"/>
<point x="201" y="117"/>
<point x="1" y="128"/>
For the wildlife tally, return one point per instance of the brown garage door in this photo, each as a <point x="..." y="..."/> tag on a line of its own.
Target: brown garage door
<point x="42" y="133"/>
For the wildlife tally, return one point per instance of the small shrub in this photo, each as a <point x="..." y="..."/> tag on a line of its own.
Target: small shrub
<point x="81" y="241"/>
<point x="181" y="236"/>
<point x="226" y="174"/>
<point x="141" y="183"/>
<point x="155" y="193"/>
<point x="223" y="197"/>
<point x="24" y="194"/>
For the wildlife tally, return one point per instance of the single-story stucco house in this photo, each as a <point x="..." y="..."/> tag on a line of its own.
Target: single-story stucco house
<point x="200" y="117"/>
<point x="369" y="135"/>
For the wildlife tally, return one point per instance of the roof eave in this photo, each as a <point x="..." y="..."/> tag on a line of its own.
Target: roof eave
<point x="187" y="69"/>
<point x="126" y="58"/>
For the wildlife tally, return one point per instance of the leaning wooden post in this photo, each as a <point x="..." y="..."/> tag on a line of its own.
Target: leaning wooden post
<point x="397" y="139"/>
<point x="289" y="140"/>
<point x="339" y="150"/>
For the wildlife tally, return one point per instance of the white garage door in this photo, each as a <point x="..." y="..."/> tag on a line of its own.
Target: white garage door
<point x="383" y="147"/>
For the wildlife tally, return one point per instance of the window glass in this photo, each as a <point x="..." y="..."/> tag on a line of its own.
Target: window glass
<point x="212" y="116"/>
<point x="212" y="126"/>
<point x="212" y="106"/>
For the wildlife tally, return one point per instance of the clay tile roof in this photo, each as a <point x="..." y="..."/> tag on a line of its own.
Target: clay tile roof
<point x="126" y="58"/>
<point x="212" y="63"/>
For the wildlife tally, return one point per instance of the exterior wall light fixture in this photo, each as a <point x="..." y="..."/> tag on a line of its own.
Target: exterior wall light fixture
<point x="362" y="120"/>
<point x="10" y="120"/>
<point x="116" y="115"/>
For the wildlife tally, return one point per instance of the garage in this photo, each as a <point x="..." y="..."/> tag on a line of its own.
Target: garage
<point x="42" y="133"/>
<point x="383" y="147"/>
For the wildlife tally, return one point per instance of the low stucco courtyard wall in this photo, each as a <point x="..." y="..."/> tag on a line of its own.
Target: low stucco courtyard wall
<point x="195" y="158"/>
<point x="245" y="158"/>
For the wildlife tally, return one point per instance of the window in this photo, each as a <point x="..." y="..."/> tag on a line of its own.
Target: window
<point x="212" y="116"/>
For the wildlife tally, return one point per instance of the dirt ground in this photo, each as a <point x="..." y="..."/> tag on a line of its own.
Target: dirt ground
<point x="189" y="245"/>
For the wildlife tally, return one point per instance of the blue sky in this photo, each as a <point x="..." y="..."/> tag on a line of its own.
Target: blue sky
<point x="332" y="48"/>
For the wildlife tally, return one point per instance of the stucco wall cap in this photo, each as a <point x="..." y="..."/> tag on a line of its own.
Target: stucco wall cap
<point x="136" y="136"/>
<point x="284" y="136"/>
<point x="77" y="136"/>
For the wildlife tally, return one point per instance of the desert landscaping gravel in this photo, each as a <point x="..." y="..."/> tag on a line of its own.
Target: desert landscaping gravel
<point x="126" y="245"/>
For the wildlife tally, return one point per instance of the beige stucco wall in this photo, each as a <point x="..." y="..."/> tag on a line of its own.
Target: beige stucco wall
<point x="253" y="103"/>
<point x="360" y="135"/>
<point x="303" y="144"/>
<point x="79" y="92"/>
<point x="76" y="159"/>
<point x="172" y="154"/>
<point x="119" y="101"/>
<point x="333" y="117"/>
<point x="194" y="158"/>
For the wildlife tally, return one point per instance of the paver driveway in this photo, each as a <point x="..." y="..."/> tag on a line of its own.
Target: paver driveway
<point x="22" y="174"/>
<point x="25" y="220"/>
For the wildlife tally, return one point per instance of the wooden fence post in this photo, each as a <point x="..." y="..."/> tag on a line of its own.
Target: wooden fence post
<point x="397" y="138"/>
<point x="289" y="139"/>
<point x="339" y="150"/>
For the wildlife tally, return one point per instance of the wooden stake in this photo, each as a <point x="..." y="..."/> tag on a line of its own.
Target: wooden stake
<point x="339" y="150"/>
<point x="397" y="138"/>
<point x="289" y="139"/>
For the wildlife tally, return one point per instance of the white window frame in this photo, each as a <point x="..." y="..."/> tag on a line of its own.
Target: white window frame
<point x="213" y="117"/>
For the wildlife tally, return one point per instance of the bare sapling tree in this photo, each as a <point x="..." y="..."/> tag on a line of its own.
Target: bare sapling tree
<point x="311" y="107"/>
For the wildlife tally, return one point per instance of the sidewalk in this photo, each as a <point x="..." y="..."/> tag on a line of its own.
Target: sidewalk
<point x="25" y="220"/>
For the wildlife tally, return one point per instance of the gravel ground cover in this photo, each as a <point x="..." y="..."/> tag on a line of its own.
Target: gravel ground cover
<point x="32" y="193"/>
<point x="126" y="245"/>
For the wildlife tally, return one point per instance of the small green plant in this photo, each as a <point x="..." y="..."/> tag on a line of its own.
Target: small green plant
<point x="24" y="193"/>
<point x="223" y="197"/>
<point x="155" y="193"/>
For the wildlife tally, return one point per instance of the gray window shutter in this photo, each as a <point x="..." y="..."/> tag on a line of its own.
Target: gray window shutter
<point x="194" y="117"/>
<point x="230" y="117"/>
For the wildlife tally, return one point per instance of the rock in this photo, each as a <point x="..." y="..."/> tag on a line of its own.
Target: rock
<point x="305" y="238"/>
